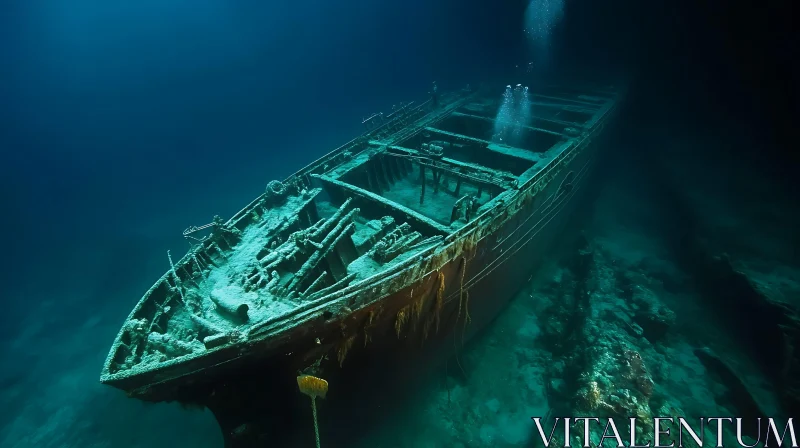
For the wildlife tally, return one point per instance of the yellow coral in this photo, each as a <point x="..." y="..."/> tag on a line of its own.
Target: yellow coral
<point x="312" y="386"/>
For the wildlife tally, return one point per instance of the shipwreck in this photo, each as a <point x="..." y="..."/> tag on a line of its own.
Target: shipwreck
<point x="423" y="226"/>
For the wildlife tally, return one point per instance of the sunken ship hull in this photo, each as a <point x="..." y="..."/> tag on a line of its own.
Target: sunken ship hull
<point x="396" y="247"/>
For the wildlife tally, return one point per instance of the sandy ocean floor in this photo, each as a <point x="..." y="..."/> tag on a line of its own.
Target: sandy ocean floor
<point x="49" y="390"/>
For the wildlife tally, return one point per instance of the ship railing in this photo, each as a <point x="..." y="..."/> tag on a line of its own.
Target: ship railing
<point x="394" y="117"/>
<point x="190" y="232"/>
<point x="399" y="110"/>
<point x="327" y="157"/>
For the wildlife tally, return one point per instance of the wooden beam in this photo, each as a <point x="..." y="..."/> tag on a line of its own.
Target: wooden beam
<point x="568" y="108"/>
<point x="505" y="150"/>
<point x="561" y="122"/>
<point x="459" y="164"/>
<point x="578" y="101"/>
<point x="382" y="201"/>
<point x="609" y="92"/>
<point x="458" y="136"/>
<point x="531" y="128"/>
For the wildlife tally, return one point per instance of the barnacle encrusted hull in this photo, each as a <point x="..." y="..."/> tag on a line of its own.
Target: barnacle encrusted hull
<point x="421" y="227"/>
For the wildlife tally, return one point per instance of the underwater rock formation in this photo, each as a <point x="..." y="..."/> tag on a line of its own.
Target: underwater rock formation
<point x="778" y="329"/>
<point x="604" y="362"/>
<point x="740" y="247"/>
<point x="654" y="319"/>
<point x="616" y="354"/>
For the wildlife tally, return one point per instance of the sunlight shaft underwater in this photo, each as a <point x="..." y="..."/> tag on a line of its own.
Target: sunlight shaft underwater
<point x="541" y="17"/>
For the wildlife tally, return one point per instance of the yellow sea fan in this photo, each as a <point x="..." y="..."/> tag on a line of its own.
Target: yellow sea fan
<point x="312" y="386"/>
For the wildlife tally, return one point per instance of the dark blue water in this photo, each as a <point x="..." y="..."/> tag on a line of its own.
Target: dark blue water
<point x="123" y="124"/>
<point x="127" y="120"/>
